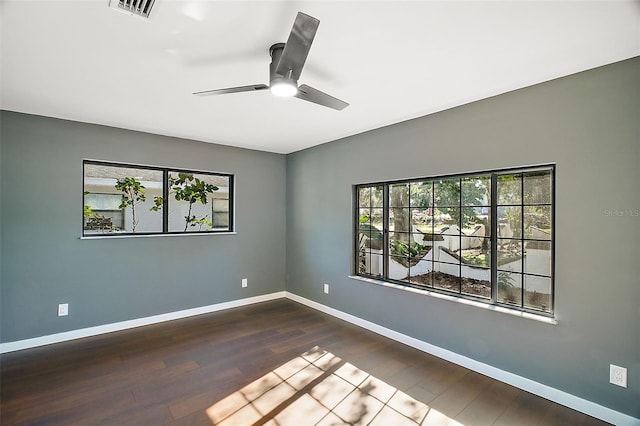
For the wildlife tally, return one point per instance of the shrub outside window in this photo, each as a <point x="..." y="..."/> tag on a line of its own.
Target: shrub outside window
<point x="122" y="199"/>
<point x="486" y="236"/>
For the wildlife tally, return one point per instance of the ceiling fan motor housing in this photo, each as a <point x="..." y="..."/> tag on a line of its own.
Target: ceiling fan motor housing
<point x="275" y="52"/>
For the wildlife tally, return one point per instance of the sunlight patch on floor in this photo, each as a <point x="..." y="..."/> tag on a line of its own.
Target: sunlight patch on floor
<point x="318" y="388"/>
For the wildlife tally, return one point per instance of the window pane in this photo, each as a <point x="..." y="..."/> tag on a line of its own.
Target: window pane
<point x="509" y="255"/>
<point x="370" y="218"/>
<point x="367" y="233"/>
<point x="482" y="212"/>
<point x="510" y="288"/>
<point x="446" y="276"/>
<point x="509" y="189"/>
<point x="510" y="222"/>
<point x="364" y="197"/>
<point x="537" y="293"/>
<point x="370" y="262"/>
<point x="421" y="194"/>
<point x="398" y="267"/>
<point x="400" y="244"/>
<point x="377" y="194"/>
<point x="101" y="221"/>
<point x="441" y="222"/>
<point x="450" y="244"/>
<point x="198" y="202"/>
<point x="537" y="221"/>
<point x="476" y="191"/>
<point x="476" y="259"/>
<point x="421" y="218"/>
<point x="364" y="217"/>
<point x="220" y="212"/>
<point x="399" y="220"/>
<point x="423" y="241"/>
<point x="447" y="193"/>
<point x="474" y="216"/>
<point x="399" y="195"/>
<point x="537" y="187"/>
<point x="370" y="196"/>
<point x="538" y="258"/>
<point x="476" y="282"/>
<point x="364" y="236"/>
<point x="370" y="236"/>
<point x="397" y="239"/>
<point x="362" y="262"/>
<point x="375" y="216"/>
<point x="99" y="201"/>
<point x="449" y="216"/>
<point x="421" y="274"/>
<point x="121" y="199"/>
<point x="427" y="232"/>
<point x="418" y="248"/>
<point x="376" y="263"/>
<point x="476" y="252"/>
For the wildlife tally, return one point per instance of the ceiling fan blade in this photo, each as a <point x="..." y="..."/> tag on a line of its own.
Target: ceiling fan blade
<point x="297" y="47"/>
<point x="251" y="88"/>
<point x="308" y="93"/>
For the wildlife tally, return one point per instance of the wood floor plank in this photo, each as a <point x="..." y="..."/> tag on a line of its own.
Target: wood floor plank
<point x="457" y="397"/>
<point x="526" y="409"/>
<point x="172" y="373"/>
<point x="193" y="404"/>
<point x="441" y="377"/>
<point x="488" y="405"/>
<point x="557" y="415"/>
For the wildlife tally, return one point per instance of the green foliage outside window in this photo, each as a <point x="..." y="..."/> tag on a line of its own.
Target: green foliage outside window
<point x="186" y="187"/>
<point x="132" y="195"/>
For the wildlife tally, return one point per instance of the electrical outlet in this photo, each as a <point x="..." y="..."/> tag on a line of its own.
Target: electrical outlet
<point x="244" y="282"/>
<point x="326" y="288"/>
<point x="618" y="375"/>
<point x="63" y="309"/>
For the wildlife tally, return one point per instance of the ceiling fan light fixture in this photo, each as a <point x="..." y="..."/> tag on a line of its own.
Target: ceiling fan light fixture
<point x="284" y="87"/>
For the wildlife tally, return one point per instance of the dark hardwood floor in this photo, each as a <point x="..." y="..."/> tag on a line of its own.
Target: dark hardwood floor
<point x="274" y="363"/>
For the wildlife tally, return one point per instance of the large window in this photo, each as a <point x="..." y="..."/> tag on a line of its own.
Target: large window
<point x="122" y="199"/>
<point x="486" y="236"/>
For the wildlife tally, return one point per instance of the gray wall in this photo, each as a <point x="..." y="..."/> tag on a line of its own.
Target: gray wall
<point x="587" y="124"/>
<point x="109" y="280"/>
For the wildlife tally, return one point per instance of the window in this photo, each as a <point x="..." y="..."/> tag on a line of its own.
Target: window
<point x="485" y="236"/>
<point x="122" y="199"/>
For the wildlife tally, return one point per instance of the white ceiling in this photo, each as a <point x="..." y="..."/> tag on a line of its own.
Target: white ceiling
<point x="391" y="60"/>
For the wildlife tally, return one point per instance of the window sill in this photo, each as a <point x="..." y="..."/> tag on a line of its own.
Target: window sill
<point x="186" y="234"/>
<point x="477" y="304"/>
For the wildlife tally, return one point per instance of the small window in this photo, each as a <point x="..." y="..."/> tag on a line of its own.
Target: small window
<point x="485" y="236"/>
<point x="124" y="199"/>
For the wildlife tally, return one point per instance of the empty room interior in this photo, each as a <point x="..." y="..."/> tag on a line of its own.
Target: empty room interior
<point x="320" y="213"/>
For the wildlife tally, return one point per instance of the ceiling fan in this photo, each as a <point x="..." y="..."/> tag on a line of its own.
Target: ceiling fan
<point x="287" y="60"/>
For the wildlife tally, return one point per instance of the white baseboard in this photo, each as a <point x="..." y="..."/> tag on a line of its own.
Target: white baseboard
<point x="544" y="391"/>
<point x="563" y="398"/>
<point x="138" y="322"/>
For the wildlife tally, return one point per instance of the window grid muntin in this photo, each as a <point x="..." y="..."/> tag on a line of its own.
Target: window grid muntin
<point x="522" y="240"/>
<point x="493" y="221"/>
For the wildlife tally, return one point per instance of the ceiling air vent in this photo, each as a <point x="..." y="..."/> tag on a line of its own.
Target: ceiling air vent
<point x="140" y="8"/>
